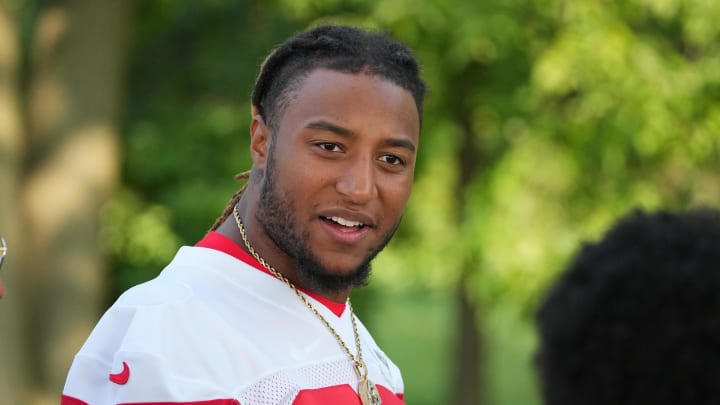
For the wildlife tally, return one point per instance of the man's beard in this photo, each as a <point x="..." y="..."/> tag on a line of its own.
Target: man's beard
<point x="276" y="214"/>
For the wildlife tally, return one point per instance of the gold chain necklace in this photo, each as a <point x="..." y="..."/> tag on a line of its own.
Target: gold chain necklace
<point x="367" y="390"/>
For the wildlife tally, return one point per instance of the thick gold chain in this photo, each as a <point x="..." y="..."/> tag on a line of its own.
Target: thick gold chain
<point x="358" y="363"/>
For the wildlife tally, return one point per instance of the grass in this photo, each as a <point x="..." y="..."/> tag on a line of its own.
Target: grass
<point x="417" y="331"/>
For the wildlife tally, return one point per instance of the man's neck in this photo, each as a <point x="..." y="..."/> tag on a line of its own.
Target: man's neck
<point x="229" y="229"/>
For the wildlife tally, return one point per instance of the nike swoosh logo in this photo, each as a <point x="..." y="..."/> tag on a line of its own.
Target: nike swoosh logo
<point x="122" y="377"/>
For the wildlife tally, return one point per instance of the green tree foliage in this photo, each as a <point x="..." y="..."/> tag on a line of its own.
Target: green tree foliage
<point x="579" y="111"/>
<point x="186" y="128"/>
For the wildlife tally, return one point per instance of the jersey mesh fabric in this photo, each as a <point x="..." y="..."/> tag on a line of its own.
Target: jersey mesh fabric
<point x="281" y="388"/>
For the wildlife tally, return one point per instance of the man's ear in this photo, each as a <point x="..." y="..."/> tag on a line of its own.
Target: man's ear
<point x="259" y="142"/>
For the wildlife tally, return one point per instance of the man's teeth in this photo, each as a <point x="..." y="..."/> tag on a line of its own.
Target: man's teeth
<point x="345" y="222"/>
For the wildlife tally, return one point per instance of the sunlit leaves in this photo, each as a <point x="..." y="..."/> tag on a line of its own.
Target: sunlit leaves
<point x="139" y="234"/>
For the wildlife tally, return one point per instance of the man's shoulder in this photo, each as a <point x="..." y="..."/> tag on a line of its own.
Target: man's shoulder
<point x="176" y="282"/>
<point x="161" y="290"/>
<point x="144" y="307"/>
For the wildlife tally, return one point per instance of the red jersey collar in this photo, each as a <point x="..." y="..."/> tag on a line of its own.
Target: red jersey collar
<point x="217" y="241"/>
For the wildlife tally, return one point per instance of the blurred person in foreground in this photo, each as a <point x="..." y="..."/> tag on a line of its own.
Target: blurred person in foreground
<point x="258" y="311"/>
<point x="635" y="319"/>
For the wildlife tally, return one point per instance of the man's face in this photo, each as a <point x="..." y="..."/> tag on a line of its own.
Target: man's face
<point x="338" y="175"/>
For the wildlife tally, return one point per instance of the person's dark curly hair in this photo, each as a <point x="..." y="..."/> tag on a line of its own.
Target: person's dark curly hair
<point x="635" y="319"/>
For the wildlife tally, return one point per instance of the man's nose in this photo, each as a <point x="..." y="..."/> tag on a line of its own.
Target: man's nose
<point x="357" y="181"/>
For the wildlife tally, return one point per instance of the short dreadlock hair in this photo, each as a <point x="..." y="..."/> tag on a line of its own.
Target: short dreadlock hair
<point x="340" y="48"/>
<point x="635" y="319"/>
<point x="335" y="47"/>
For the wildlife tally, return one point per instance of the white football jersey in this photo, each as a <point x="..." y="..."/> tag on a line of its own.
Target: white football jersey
<point x="214" y="330"/>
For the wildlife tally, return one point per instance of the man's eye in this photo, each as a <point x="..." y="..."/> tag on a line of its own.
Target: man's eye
<point x="330" y="147"/>
<point x="392" y="159"/>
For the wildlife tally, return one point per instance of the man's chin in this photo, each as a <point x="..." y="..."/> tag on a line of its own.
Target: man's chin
<point x="335" y="279"/>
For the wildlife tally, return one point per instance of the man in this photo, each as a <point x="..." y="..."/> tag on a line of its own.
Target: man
<point x="636" y="317"/>
<point x="258" y="311"/>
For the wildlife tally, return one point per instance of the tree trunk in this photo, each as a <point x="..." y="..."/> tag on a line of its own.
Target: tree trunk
<point x="12" y="370"/>
<point x="469" y="352"/>
<point x="71" y="167"/>
<point x="470" y="387"/>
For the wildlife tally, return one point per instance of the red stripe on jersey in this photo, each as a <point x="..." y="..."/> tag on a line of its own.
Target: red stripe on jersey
<point x="210" y="402"/>
<point x="339" y="394"/>
<point x="68" y="400"/>
<point x="390" y="398"/>
<point x="217" y="241"/>
<point x="342" y="394"/>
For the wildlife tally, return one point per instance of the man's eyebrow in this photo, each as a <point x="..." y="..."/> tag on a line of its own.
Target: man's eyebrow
<point x="328" y="126"/>
<point x="400" y="143"/>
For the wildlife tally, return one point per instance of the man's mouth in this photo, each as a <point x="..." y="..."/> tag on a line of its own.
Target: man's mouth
<point x="345" y="222"/>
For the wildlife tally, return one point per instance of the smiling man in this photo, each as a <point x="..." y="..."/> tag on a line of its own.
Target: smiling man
<point x="258" y="311"/>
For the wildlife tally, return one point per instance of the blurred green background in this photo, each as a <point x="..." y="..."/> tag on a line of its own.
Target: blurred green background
<point x="122" y="124"/>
